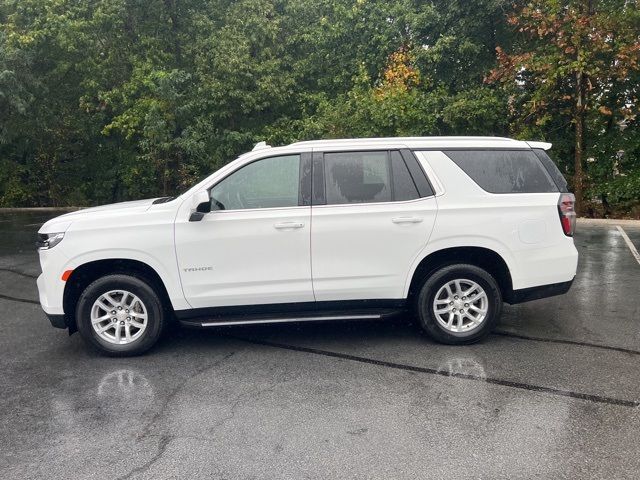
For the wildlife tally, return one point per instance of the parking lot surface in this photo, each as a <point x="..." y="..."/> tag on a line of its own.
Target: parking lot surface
<point x="554" y="393"/>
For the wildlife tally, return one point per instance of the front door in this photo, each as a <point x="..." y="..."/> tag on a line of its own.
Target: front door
<point x="254" y="246"/>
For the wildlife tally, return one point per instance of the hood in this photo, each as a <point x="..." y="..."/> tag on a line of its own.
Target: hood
<point x="61" y="223"/>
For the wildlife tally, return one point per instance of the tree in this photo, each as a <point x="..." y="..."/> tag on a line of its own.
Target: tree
<point x="111" y="100"/>
<point x="572" y="59"/>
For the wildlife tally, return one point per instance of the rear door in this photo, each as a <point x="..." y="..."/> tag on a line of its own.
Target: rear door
<point x="373" y="212"/>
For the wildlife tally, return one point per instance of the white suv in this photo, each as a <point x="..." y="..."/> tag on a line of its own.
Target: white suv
<point x="446" y="227"/>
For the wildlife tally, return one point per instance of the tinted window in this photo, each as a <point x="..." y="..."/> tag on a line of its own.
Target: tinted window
<point x="504" y="171"/>
<point x="403" y="186"/>
<point x="357" y="177"/>
<point x="552" y="170"/>
<point x="268" y="183"/>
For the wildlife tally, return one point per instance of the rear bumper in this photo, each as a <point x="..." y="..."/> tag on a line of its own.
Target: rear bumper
<point x="535" y="293"/>
<point x="547" y="265"/>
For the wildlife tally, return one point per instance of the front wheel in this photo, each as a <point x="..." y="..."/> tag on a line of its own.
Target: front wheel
<point x="120" y="315"/>
<point x="459" y="304"/>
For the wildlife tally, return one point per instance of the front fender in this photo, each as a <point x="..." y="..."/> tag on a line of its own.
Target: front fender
<point x="169" y="277"/>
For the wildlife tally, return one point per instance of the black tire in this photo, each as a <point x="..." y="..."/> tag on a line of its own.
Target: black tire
<point x="137" y="286"/>
<point x="438" y="279"/>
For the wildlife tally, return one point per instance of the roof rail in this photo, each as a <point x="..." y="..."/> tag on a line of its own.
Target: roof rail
<point x="260" y="146"/>
<point x="402" y="139"/>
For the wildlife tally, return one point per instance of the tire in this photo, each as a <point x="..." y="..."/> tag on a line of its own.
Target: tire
<point x="139" y="313"/>
<point x="470" y="326"/>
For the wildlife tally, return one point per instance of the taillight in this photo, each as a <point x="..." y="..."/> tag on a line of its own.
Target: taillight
<point x="566" y="209"/>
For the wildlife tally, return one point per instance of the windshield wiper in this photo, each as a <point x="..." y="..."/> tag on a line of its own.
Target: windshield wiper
<point x="162" y="200"/>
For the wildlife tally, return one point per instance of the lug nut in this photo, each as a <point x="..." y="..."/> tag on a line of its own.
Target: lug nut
<point x="114" y="319"/>
<point x="456" y="297"/>
<point x="122" y="322"/>
<point x="128" y="318"/>
<point x="119" y="308"/>
<point x="466" y="304"/>
<point x="454" y="309"/>
<point x="127" y="311"/>
<point x="450" y="303"/>
<point x="113" y="312"/>
<point x="464" y="298"/>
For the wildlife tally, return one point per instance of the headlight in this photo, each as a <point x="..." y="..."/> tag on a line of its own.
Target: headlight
<point x="48" y="240"/>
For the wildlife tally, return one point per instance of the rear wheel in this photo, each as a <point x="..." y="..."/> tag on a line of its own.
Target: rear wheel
<point x="120" y="315"/>
<point x="459" y="304"/>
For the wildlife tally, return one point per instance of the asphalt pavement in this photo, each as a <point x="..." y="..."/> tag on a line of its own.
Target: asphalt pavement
<point x="554" y="393"/>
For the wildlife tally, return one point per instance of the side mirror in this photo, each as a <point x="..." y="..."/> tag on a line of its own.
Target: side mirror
<point x="201" y="205"/>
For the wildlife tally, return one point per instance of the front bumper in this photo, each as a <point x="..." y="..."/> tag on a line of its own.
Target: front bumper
<point x="58" y="321"/>
<point x="51" y="289"/>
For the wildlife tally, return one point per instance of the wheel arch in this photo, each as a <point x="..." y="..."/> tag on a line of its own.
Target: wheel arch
<point x="86" y="273"/>
<point x="482" y="257"/>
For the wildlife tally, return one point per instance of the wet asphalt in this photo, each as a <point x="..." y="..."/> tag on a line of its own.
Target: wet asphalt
<point x="554" y="393"/>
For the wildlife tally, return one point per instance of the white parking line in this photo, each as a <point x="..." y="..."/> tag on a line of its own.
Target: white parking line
<point x="634" y="252"/>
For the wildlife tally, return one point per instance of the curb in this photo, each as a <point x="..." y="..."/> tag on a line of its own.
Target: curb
<point x="608" y="221"/>
<point x="39" y="209"/>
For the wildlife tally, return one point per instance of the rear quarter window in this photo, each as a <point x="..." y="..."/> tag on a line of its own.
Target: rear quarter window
<point x="552" y="170"/>
<point x="504" y="171"/>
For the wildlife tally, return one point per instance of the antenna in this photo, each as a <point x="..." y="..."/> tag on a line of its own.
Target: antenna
<point x="260" y="146"/>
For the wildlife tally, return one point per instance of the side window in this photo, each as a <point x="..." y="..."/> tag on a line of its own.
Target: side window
<point x="267" y="183"/>
<point x="403" y="186"/>
<point x="357" y="177"/>
<point x="504" y="171"/>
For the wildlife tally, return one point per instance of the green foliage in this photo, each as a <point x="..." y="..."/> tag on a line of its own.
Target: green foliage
<point x="111" y="100"/>
<point x="573" y="68"/>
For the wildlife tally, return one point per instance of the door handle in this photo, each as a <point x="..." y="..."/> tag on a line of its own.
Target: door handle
<point x="286" y="225"/>
<point x="406" y="220"/>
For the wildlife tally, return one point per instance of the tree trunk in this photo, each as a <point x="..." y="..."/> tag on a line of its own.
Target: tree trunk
<point x="165" y="177"/>
<point x="578" y="179"/>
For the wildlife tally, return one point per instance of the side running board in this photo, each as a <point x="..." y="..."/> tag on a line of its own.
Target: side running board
<point x="231" y="321"/>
